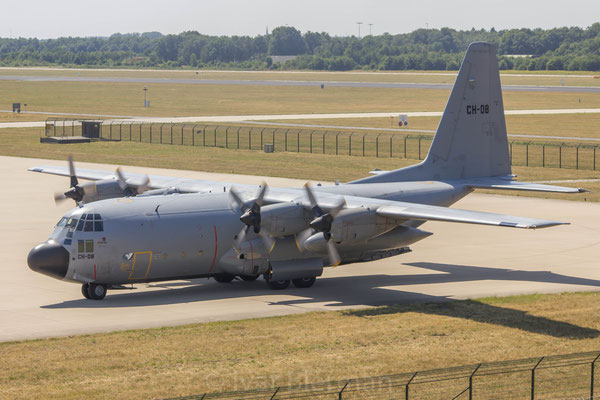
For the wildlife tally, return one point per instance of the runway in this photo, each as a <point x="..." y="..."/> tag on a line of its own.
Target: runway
<point x="316" y="84"/>
<point x="457" y="262"/>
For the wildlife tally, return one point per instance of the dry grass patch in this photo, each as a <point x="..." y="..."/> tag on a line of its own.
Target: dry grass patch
<point x="304" y="348"/>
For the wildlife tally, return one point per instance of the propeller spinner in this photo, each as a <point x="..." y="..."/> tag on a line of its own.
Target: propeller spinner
<point x="251" y="216"/>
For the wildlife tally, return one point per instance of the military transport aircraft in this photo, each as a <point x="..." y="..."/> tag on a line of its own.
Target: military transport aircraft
<point x="129" y="229"/>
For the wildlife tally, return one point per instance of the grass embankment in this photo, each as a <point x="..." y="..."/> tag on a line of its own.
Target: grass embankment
<point x="306" y="348"/>
<point x="316" y="167"/>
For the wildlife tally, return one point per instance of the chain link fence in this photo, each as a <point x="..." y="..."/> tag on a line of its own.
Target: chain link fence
<point x="320" y="141"/>
<point x="562" y="376"/>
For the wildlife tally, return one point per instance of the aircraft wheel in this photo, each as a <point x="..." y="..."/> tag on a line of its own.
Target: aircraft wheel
<point x="96" y="292"/>
<point x="304" y="282"/>
<point x="84" y="290"/>
<point x="224" y="278"/>
<point x="278" y="285"/>
<point x="249" y="278"/>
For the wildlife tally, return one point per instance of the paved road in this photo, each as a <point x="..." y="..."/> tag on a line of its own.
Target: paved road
<point x="457" y="262"/>
<point x="200" y="81"/>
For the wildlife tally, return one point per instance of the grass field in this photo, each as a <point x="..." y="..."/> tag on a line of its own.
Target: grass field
<point x="24" y="142"/>
<point x="540" y="78"/>
<point x="306" y="348"/>
<point x="195" y="100"/>
<point x="566" y="125"/>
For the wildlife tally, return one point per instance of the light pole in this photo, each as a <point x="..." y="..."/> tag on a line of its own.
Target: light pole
<point x="145" y="102"/>
<point x="359" y="24"/>
<point x="370" y="25"/>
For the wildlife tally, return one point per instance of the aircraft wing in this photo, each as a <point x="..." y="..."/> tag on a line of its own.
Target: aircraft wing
<point x="434" y="213"/>
<point x="156" y="181"/>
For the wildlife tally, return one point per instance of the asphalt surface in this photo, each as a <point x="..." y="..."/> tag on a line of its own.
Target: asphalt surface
<point x="199" y="81"/>
<point x="458" y="261"/>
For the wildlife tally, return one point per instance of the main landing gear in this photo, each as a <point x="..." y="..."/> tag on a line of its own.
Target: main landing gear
<point x="93" y="291"/>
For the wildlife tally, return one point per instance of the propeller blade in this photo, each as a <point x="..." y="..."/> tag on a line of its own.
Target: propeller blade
<point x="74" y="181"/>
<point x="269" y="241"/>
<point x="332" y="253"/>
<point x="144" y="186"/>
<point x="59" y="197"/>
<point x="339" y="207"/>
<point x="301" y="238"/>
<point x="121" y="178"/>
<point x="236" y="198"/>
<point x="261" y="195"/>
<point x="313" y="201"/>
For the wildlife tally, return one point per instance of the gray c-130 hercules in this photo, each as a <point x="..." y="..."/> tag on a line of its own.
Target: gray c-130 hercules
<point x="134" y="229"/>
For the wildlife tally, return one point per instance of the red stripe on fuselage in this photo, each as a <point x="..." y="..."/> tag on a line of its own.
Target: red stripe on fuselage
<point x="216" y="247"/>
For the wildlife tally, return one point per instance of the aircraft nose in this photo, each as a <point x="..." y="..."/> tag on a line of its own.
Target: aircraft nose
<point x="49" y="258"/>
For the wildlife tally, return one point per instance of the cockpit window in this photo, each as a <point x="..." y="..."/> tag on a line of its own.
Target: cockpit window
<point x="71" y="223"/>
<point x="98" y="226"/>
<point x="89" y="226"/>
<point x="80" y="225"/>
<point x="62" y="222"/>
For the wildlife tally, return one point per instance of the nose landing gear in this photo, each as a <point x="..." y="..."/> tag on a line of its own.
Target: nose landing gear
<point x="93" y="291"/>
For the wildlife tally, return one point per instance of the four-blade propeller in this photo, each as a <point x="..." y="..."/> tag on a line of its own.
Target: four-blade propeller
<point x="251" y="217"/>
<point x="76" y="191"/>
<point x="321" y="224"/>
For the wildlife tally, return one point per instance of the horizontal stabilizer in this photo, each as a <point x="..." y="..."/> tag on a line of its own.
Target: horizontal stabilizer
<point x="434" y="213"/>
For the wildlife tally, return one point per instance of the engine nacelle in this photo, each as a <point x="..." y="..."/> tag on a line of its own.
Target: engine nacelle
<point x="283" y="219"/>
<point x="358" y="224"/>
<point x="315" y="243"/>
<point x="250" y="258"/>
<point x="101" y="190"/>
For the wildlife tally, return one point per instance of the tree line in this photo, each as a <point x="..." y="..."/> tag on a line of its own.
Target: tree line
<point x="566" y="48"/>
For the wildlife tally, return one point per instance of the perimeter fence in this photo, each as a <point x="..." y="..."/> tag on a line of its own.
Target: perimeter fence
<point x="574" y="155"/>
<point x="562" y="376"/>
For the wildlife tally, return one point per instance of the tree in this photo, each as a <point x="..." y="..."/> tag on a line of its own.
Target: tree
<point x="286" y="41"/>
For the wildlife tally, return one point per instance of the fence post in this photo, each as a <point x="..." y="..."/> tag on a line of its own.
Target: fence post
<point x="543" y="156"/>
<point x="227" y="137"/>
<point x="408" y="383"/>
<point x="161" y="126"/>
<point x="323" y="138"/>
<point x="405" y="137"/>
<point x="560" y="156"/>
<point x="363" y="144"/>
<point x="577" y="157"/>
<point x="350" y="143"/>
<point x="471" y="382"/>
<point x="109" y="130"/>
<point x="130" y="127"/>
<point x="238" y="137"/>
<point x="342" y="391"/>
<point x="336" y="143"/>
<point x="377" y="145"/>
<point x="261" y="137"/>
<point x="592" y="378"/>
<point x="527" y="154"/>
<point x="594" y="165"/>
<point x="311" y="133"/>
<point x="275" y="393"/>
<point x="274" y="138"/>
<point x="419" y="147"/>
<point x="286" y="132"/>
<point x="533" y="378"/>
<point x="391" y="145"/>
<point x="141" y="132"/>
<point x="298" y="141"/>
<point x="215" y="136"/>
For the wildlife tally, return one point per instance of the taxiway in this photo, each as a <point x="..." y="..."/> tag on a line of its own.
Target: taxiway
<point x="457" y="262"/>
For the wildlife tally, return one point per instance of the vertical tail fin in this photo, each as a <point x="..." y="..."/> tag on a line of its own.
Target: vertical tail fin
<point x="470" y="140"/>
